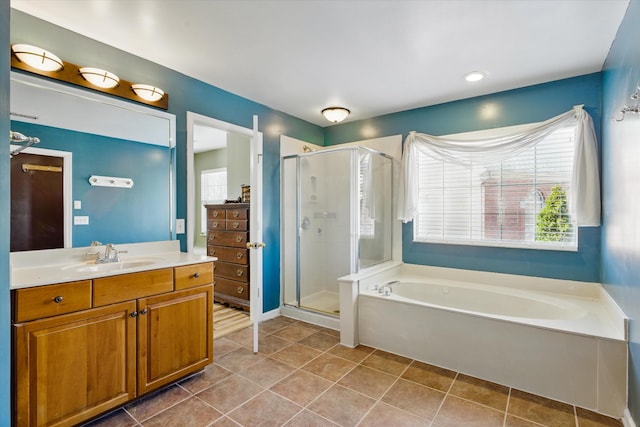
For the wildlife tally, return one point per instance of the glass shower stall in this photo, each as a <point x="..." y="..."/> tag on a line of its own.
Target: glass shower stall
<point x="336" y="220"/>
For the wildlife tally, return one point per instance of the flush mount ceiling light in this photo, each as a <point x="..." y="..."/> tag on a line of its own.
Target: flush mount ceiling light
<point x="36" y="57"/>
<point x="475" y="76"/>
<point x="100" y="78"/>
<point x="335" y="114"/>
<point x="148" y="92"/>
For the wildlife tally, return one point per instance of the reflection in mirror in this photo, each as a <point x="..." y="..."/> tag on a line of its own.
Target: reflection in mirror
<point x="97" y="135"/>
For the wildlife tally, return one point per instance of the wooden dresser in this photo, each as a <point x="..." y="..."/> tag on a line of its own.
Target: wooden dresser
<point x="227" y="237"/>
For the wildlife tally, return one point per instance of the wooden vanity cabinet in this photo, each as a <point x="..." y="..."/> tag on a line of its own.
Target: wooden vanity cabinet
<point x="71" y="367"/>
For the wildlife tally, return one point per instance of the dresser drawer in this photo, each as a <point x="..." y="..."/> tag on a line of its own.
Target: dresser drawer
<point x="216" y="224"/>
<point x="216" y="214"/>
<point x="236" y="239"/>
<point x="237" y="224"/>
<point x="125" y="287"/>
<point x="51" y="300"/>
<point x="237" y="213"/>
<point x="227" y="254"/>
<point x="188" y="276"/>
<point x="231" y="271"/>
<point x="231" y="288"/>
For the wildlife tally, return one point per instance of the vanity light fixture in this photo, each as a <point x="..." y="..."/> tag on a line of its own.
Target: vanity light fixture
<point x="99" y="77"/>
<point x="148" y="92"/>
<point x="37" y="58"/>
<point x="475" y="76"/>
<point x="335" y="114"/>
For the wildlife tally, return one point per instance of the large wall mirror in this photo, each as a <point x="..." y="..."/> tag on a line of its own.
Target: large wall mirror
<point x="83" y="134"/>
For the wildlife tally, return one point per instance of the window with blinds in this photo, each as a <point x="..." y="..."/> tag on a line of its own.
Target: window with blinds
<point x="213" y="190"/>
<point x="521" y="201"/>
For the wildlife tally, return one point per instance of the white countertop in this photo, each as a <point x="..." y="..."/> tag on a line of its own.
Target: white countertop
<point x="35" y="268"/>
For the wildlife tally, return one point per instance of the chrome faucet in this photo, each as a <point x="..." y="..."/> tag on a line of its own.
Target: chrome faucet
<point x="111" y="254"/>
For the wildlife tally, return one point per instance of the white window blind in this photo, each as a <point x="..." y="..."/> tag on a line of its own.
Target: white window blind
<point x="518" y="202"/>
<point x="213" y="190"/>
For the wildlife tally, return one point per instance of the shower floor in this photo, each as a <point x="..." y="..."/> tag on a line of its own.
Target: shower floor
<point x="325" y="302"/>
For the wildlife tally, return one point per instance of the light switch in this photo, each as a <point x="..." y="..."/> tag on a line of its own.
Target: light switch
<point x="77" y="204"/>
<point x="180" y="226"/>
<point x="80" y="220"/>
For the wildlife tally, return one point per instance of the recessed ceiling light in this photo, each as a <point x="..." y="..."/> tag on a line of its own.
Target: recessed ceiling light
<point x="475" y="76"/>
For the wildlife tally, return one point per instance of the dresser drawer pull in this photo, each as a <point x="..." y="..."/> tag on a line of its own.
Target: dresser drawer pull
<point x="236" y="214"/>
<point x="212" y="236"/>
<point x="58" y="299"/>
<point x="214" y="225"/>
<point x="239" y="273"/>
<point x="239" y="255"/>
<point x="239" y="239"/>
<point x="235" y="224"/>
<point x="240" y="289"/>
<point x="215" y="214"/>
<point x="196" y="275"/>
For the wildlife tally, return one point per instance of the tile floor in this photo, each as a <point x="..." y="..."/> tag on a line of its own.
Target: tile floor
<point x="302" y="376"/>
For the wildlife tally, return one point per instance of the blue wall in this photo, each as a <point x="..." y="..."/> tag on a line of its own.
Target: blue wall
<point x="187" y="94"/>
<point x="525" y="105"/>
<point x="5" y="308"/>
<point x="621" y="180"/>
<point x="107" y="208"/>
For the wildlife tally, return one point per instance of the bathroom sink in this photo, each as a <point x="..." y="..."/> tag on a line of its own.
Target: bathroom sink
<point x="92" y="267"/>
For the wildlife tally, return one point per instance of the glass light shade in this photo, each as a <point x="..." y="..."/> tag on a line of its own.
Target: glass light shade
<point x="148" y="92"/>
<point x="335" y="114"/>
<point x="474" y="76"/>
<point x="37" y="58"/>
<point x="100" y="78"/>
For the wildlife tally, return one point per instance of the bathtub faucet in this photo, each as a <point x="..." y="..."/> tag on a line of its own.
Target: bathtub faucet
<point x="385" y="289"/>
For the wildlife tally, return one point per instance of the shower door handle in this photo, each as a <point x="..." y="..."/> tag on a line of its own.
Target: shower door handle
<point x="255" y="245"/>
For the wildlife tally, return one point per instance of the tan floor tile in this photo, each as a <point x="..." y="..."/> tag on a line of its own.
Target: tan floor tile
<point x="383" y="415"/>
<point x="368" y="381"/>
<point x="267" y="372"/>
<point x="540" y="409"/>
<point x="266" y="409"/>
<point x="296" y="355"/>
<point x="332" y="332"/>
<point x="205" y="379"/>
<point x="329" y="367"/>
<point x="230" y="393"/>
<point x="269" y="344"/>
<point x="342" y="406"/>
<point x="157" y="402"/>
<point x="320" y="341"/>
<point x="295" y="332"/>
<point x="429" y="375"/>
<point x="309" y="419"/>
<point x="415" y="398"/>
<point x="244" y="337"/>
<point x="591" y="419"/>
<point x="354" y="354"/>
<point x="239" y="359"/>
<point x="119" y="418"/>
<point x="272" y="325"/>
<point x="456" y="412"/>
<point x="301" y="387"/>
<point x="480" y="391"/>
<point x="513" y="421"/>
<point x="225" y="422"/>
<point x="193" y="413"/>
<point x="222" y="346"/>
<point x="387" y="362"/>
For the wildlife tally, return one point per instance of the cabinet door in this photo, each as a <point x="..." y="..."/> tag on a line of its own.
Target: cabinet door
<point x="175" y="336"/>
<point x="75" y="366"/>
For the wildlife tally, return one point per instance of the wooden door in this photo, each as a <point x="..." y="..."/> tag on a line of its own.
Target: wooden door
<point x="175" y="336"/>
<point x="37" y="202"/>
<point x="74" y="366"/>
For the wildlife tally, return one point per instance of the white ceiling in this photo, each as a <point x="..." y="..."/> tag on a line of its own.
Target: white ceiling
<point x="371" y="56"/>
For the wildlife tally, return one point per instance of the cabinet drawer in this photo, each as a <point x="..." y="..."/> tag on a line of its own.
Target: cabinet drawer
<point x="237" y="224"/>
<point x="228" y="238"/>
<point x="232" y="288"/>
<point x="51" y="300"/>
<point x="189" y="276"/>
<point x="125" y="287"/>
<point x="237" y="213"/>
<point x="227" y="254"/>
<point x="216" y="224"/>
<point x="216" y="214"/>
<point x="232" y="271"/>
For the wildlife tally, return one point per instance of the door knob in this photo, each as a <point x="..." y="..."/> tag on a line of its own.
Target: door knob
<point x="256" y="245"/>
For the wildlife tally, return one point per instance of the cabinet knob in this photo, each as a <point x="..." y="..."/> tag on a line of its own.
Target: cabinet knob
<point x="134" y="314"/>
<point x="236" y="214"/>
<point x="239" y="273"/>
<point x="214" y="225"/>
<point x="240" y="289"/>
<point x="143" y="311"/>
<point x="215" y="214"/>
<point x="235" y="224"/>
<point x="196" y="275"/>
<point x="239" y="255"/>
<point x="239" y="239"/>
<point x="58" y="299"/>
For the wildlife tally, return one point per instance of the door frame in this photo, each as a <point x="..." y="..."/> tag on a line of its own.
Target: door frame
<point x="67" y="186"/>
<point x="255" y="222"/>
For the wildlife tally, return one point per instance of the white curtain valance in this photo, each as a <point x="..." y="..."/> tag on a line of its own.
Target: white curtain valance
<point x="584" y="203"/>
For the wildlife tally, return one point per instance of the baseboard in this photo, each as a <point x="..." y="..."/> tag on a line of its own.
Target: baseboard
<point x="627" y="421"/>
<point x="270" y="314"/>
